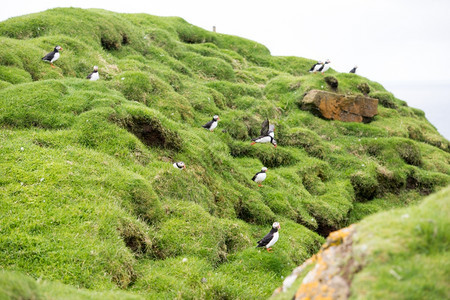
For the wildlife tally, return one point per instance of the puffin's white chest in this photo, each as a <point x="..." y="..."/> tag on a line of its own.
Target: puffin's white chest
<point x="55" y="56"/>
<point x="325" y="67"/>
<point x="260" y="177"/>
<point x="317" y="67"/>
<point x="213" y="125"/>
<point x="94" y="76"/>
<point x="273" y="241"/>
<point x="265" y="139"/>
<point x="175" y="165"/>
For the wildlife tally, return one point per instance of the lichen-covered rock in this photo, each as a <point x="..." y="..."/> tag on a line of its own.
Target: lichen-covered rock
<point x="331" y="270"/>
<point x="347" y="108"/>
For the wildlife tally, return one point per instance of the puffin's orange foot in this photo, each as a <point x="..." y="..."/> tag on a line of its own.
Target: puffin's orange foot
<point x="252" y="143"/>
<point x="269" y="249"/>
<point x="52" y="66"/>
<point x="260" y="185"/>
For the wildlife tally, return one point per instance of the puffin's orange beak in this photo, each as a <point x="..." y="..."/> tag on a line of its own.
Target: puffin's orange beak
<point x="184" y="167"/>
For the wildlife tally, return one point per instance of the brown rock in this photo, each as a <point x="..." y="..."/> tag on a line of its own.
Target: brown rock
<point x="347" y="108"/>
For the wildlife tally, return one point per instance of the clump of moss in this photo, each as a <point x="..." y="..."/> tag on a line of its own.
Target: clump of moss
<point x="364" y="88"/>
<point x="386" y="99"/>
<point x="409" y="152"/>
<point x="332" y="82"/>
<point x="304" y="138"/>
<point x="365" y="185"/>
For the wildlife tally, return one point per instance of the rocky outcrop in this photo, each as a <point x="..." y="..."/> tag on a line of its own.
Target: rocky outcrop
<point x="347" y="108"/>
<point x="330" y="272"/>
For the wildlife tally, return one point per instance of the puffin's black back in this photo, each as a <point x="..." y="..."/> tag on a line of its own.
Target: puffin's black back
<point x="312" y="68"/>
<point x="254" y="177"/>
<point x="50" y="55"/>
<point x="208" y="125"/>
<point x="90" y="75"/>
<point x="321" y="68"/>
<point x="265" y="240"/>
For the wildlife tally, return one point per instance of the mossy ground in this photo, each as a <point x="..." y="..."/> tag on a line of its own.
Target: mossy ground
<point x="93" y="202"/>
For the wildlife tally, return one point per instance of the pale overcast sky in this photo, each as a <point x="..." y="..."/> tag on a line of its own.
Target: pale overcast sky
<point x="389" y="40"/>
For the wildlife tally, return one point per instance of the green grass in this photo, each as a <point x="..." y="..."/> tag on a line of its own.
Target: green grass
<point x="93" y="204"/>
<point x="407" y="252"/>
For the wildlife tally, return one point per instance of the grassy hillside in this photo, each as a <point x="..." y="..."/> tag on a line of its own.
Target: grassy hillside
<point x="91" y="204"/>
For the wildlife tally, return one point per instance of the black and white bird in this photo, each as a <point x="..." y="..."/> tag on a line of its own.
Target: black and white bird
<point x="267" y="134"/>
<point x="325" y="66"/>
<point x="353" y="70"/>
<point x="94" y="75"/>
<point x="271" y="238"/>
<point x="260" y="176"/>
<point x="316" y="66"/>
<point x="212" y="124"/>
<point x="52" y="56"/>
<point x="179" y="165"/>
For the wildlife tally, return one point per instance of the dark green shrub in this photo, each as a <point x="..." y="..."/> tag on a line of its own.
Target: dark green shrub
<point x="365" y="185"/>
<point x="304" y="138"/>
<point x="332" y="82"/>
<point x="409" y="152"/>
<point x="386" y="99"/>
<point x="364" y="88"/>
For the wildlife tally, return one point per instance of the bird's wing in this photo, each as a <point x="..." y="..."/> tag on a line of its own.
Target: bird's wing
<point x="207" y="125"/>
<point x="271" y="127"/>
<point x="265" y="128"/>
<point x="254" y="177"/>
<point x="89" y="76"/>
<point x="312" y="68"/>
<point x="265" y="240"/>
<point x="48" y="56"/>
<point x="321" y="67"/>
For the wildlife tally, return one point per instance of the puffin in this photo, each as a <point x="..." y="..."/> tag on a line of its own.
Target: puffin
<point x="325" y="66"/>
<point x="260" y="176"/>
<point x="212" y="124"/>
<point x="316" y="66"/>
<point x="267" y="134"/>
<point x="52" y="56"/>
<point x="94" y="75"/>
<point x="353" y="70"/>
<point x="271" y="238"/>
<point x="179" y="165"/>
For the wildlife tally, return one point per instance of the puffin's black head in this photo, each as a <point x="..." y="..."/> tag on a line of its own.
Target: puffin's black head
<point x="264" y="169"/>
<point x="327" y="61"/>
<point x="95" y="68"/>
<point x="57" y="48"/>
<point x="216" y="118"/>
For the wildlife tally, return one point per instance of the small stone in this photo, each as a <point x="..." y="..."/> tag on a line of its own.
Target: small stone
<point x="184" y="259"/>
<point x="42" y="179"/>
<point x="21" y="149"/>
<point x="204" y="280"/>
